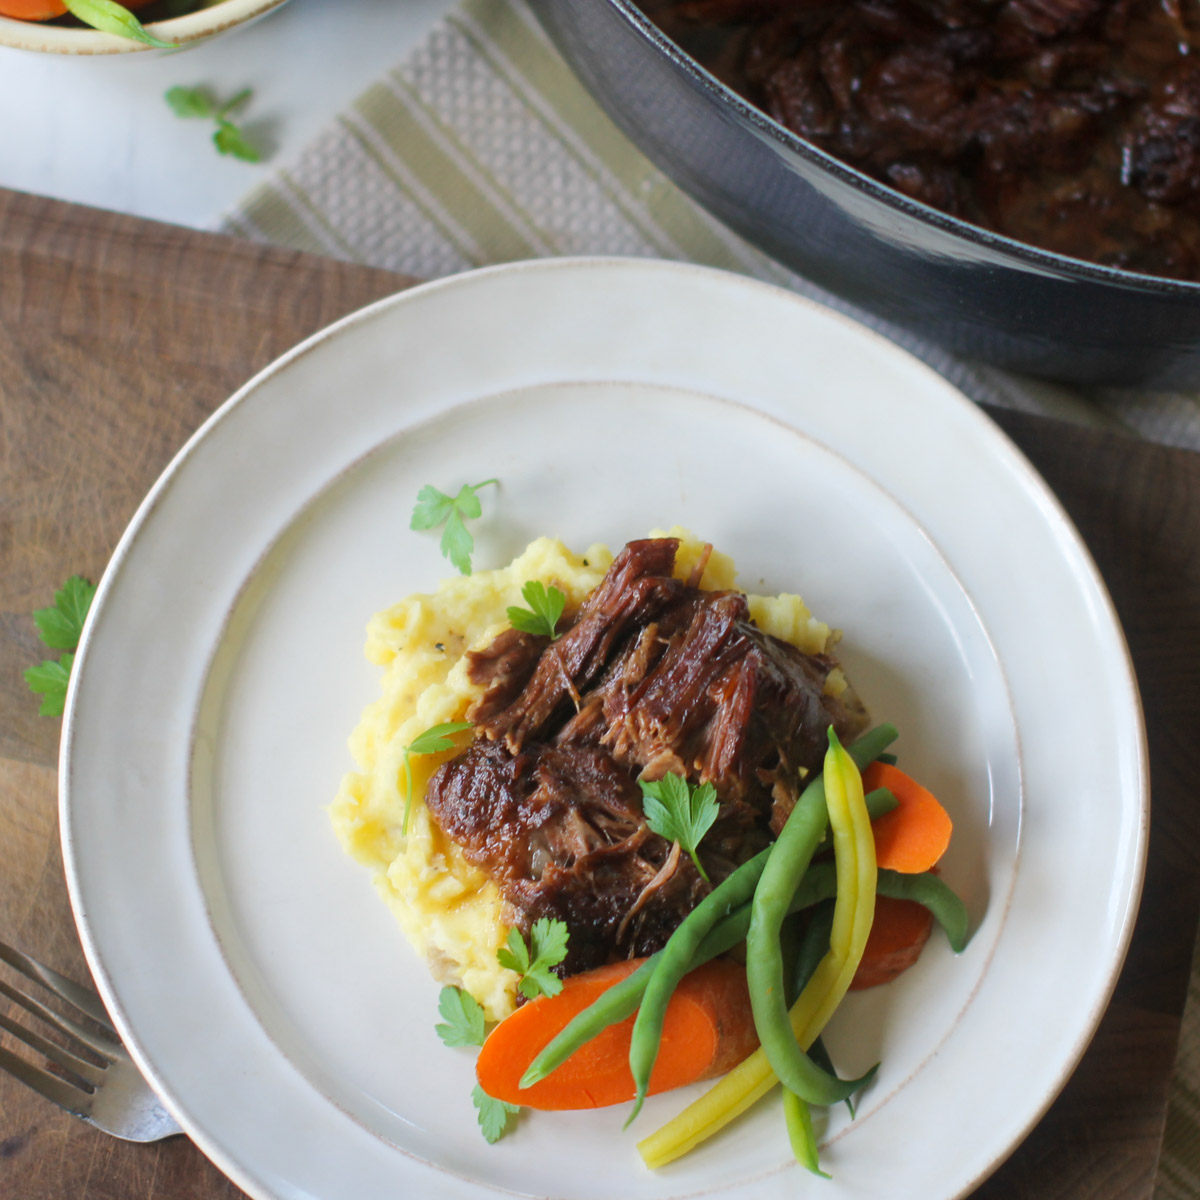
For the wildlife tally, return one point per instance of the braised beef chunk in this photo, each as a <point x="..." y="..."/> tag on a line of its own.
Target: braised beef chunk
<point x="504" y="669"/>
<point x="653" y="676"/>
<point x="723" y="702"/>
<point x="636" y="587"/>
<point x="560" y="829"/>
<point x="1069" y="124"/>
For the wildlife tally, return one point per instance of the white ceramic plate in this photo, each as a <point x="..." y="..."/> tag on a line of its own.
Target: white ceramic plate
<point x="260" y="982"/>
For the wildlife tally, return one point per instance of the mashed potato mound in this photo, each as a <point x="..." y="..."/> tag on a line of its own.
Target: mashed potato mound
<point x="450" y="910"/>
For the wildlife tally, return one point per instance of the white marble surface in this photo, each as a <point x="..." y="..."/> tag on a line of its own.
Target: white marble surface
<point x="97" y="131"/>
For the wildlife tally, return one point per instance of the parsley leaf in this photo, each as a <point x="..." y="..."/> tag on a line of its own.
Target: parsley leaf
<point x="434" y="508"/>
<point x="227" y="137"/>
<point x="191" y="101"/>
<point x="50" y="682"/>
<point x="516" y="956"/>
<point x="679" y="812"/>
<point x="547" y="948"/>
<point x="110" y="17"/>
<point x="494" y="1115"/>
<point x="437" y="738"/>
<point x="61" y="624"/>
<point x="433" y="741"/>
<point x="465" y="1026"/>
<point x="60" y="627"/>
<point x="545" y="607"/>
<point x="464" y="1018"/>
<point x="236" y="103"/>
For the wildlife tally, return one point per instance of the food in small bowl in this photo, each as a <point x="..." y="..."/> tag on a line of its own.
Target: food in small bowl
<point x="85" y="27"/>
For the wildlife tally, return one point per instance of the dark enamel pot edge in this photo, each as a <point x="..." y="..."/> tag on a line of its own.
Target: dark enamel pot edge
<point x="972" y="292"/>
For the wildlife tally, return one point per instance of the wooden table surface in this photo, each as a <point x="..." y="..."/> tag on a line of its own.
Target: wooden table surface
<point x="117" y="337"/>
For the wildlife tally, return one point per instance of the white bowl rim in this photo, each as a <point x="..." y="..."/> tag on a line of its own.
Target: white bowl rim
<point x="191" y="27"/>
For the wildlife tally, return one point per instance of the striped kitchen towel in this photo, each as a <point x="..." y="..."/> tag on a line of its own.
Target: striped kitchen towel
<point x="481" y="147"/>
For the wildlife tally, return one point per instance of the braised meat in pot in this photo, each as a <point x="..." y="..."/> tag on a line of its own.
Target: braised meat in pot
<point x="1072" y="125"/>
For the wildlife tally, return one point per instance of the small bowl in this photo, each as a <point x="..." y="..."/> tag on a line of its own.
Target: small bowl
<point x="187" y="30"/>
<point x="954" y="284"/>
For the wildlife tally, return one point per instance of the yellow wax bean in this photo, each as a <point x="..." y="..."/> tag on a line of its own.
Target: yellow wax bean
<point x="854" y="910"/>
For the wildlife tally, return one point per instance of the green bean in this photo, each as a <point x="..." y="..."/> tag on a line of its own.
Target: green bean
<point x="814" y="947"/>
<point x="791" y="937"/>
<point x="623" y="999"/>
<point x="926" y="889"/>
<point x="872" y="744"/>
<point x="788" y="864"/>
<point x="613" y="1005"/>
<point x="796" y="1113"/>
<point x="819" y="1053"/>
<point x="679" y="954"/>
<point x="677" y="959"/>
<point x="819" y="883"/>
<point x="880" y="801"/>
<point x="930" y="892"/>
<point x="801" y="1135"/>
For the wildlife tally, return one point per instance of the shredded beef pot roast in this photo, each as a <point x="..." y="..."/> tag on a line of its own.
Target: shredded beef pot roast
<point x="1073" y="125"/>
<point x="653" y="675"/>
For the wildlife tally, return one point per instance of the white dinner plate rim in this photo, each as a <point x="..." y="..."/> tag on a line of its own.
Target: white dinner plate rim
<point x="1000" y="441"/>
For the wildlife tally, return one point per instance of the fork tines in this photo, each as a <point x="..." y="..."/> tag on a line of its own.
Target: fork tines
<point x="75" y="1096"/>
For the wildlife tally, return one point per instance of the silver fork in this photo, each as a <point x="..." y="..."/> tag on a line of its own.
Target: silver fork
<point x="113" y="1096"/>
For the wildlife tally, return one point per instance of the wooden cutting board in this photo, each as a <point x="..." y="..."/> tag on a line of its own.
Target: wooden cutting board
<point x="117" y="337"/>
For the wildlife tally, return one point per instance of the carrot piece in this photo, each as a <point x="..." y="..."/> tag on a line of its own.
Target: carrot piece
<point x="898" y="934"/>
<point x="709" y="1028"/>
<point x="32" y="10"/>
<point x="915" y="834"/>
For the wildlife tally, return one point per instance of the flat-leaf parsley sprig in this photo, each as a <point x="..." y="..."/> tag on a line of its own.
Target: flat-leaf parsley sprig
<point x="679" y="812"/>
<point x="547" y="948"/>
<point x="228" y="137"/>
<point x="546" y="605"/>
<point x="434" y="740"/>
<point x="494" y="1115"/>
<point x="465" y="1025"/>
<point x="60" y="627"/>
<point x="434" y="508"/>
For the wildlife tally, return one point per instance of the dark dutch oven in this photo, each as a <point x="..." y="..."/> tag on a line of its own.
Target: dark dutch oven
<point x="971" y="291"/>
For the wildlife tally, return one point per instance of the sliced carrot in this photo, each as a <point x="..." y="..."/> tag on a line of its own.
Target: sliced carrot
<point x="32" y="10"/>
<point x="709" y="1029"/>
<point x="899" y="931"/>
<point x="915" y="834"/>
